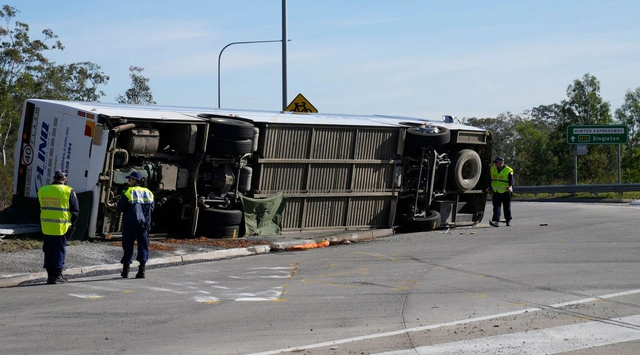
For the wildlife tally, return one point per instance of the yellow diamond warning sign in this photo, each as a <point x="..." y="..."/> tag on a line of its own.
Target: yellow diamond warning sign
<point x="301" y="104"/>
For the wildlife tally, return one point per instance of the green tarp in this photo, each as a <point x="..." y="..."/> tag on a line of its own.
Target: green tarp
<point x="263" y="216"/>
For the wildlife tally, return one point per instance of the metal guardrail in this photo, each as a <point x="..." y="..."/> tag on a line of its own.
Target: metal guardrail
<point x="595" y="189"/>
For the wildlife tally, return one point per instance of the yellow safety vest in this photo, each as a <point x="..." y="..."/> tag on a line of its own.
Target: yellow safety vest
<point x="55" y="216"/>
<point x="500" y="180"/>
<point x="139" y="194"/>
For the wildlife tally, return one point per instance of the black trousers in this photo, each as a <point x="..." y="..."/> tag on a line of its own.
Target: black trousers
<point x="501" y="200"/>
<point x="55" y="251"/>
<point x="129" y="237"/>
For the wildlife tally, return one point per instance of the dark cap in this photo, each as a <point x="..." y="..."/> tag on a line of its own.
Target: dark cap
<point x="498" y="158"/>
<point x="59" y="176"/>
<point x="134" y="175"/>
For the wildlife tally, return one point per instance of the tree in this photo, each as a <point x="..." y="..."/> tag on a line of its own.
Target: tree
<point x="139" y="93"/>
<point x="585" y="106"/>
<point x="26" y="72"/>
<point x="75" y="82"/>
<point x="629" y="115"/>
<point x="534" y="147"/>
<point x="502" y="132"/>
<point x="18" y="54"/>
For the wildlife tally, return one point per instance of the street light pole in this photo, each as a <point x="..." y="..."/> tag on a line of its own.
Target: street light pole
<point x="284" y="54"/>
<point x="230" y="44"/>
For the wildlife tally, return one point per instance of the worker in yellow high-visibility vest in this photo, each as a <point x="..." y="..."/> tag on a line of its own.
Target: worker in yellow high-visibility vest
<point x="501" y="190"/>
<point x="59" y="210"/>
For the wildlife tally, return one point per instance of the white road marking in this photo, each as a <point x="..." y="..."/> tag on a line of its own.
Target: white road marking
<point x="164" y="289"/>
<point x="204" y="299"/>
<point x="86" y="296"/>
<point x="268" y="295"/>
<point x="93" y="287"/>
<point x="544" y="341"/>
<point x="448" y="324"/>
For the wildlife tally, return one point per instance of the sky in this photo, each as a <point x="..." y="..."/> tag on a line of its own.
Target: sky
<point x="420" y="58"/>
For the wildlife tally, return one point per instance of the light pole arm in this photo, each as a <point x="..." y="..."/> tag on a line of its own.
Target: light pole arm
<point x="230" y="44"/>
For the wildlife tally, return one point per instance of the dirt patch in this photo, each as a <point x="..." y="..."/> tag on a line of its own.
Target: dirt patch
<point x="221" y="243"/>
<point x="169" y="244"/>
<point x="14" y="245"/>
<point x="10" y="245"/>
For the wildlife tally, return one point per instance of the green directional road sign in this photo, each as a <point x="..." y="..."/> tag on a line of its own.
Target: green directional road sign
<point x="597" y="134"/>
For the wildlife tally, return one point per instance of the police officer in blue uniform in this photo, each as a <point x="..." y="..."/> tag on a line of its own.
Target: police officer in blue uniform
<point x="59" y="210"/>
<point x="137" y="204"/>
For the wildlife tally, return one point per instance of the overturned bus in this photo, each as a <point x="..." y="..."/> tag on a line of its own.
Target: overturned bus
<point x="230" y="173"/>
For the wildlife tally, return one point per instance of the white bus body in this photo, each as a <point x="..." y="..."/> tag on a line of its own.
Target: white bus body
<point x="334" y="171"/>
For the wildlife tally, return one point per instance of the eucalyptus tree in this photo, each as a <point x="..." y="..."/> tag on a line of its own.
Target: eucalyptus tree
<point x="629" y="115"/>
<point x="585" y="106"/>
<point x="26" y="72"/>
<point x="139" y="93"/>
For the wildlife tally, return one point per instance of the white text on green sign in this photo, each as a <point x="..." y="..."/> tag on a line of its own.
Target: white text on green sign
<point x="597" y="134"/>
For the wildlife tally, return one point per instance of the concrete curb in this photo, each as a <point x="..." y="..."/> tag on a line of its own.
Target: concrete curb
<point x="14" y="280"/>
<point x="289" y="245"/>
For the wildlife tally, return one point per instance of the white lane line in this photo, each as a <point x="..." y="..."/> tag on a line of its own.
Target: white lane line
<point x="545" y="341"/>
<point x="92" y="296"/>
<point x="447" y="324"/>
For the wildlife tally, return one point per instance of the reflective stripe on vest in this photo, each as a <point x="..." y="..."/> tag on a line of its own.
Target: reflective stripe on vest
<point x="55" y="217"/>
<point x="500" y="180"/>
<point x="138" y="194"/>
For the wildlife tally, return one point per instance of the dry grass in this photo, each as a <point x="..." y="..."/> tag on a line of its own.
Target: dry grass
<point x="13" y="245"/>
<point x="168" y="244"/>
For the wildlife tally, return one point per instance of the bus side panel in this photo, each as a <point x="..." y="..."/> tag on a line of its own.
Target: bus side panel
<point x="334" y="177"/>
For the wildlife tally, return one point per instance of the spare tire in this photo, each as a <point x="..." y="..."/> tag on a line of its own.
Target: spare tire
<point x="467" y="169"/>
<point x="418" y="138"/>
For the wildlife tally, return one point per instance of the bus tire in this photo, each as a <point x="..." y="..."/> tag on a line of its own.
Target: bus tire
<point x="222" y="217"/>
<point x="428" y="223"/>
<point x="229" y="128"/>
<point x="231" y="146"/>
<point x="467" y="169"/>
<point x="217" y="231"/>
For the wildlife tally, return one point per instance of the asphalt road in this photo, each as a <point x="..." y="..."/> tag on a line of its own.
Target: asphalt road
<point x="563" y="279"/>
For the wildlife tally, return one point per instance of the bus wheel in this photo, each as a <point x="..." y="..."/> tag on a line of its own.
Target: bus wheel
<point x="231" y="129"/>
<point x="222" y="217"/>
<point x="467" y="169"/>
<point x="428" y="223"/>
<point x="231" y="146"/>
<point x="216" y="231"/>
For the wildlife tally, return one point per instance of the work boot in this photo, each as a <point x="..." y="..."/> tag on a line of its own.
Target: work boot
<point x="125" y="270"/>
<point x="60" y="279"/>
<point x="494" y="223"/>
<point x="51" y="277"/>
<point x="140" y="274"/>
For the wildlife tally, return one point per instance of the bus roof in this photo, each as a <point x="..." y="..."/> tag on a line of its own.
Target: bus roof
<point x="178" y="113"/>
